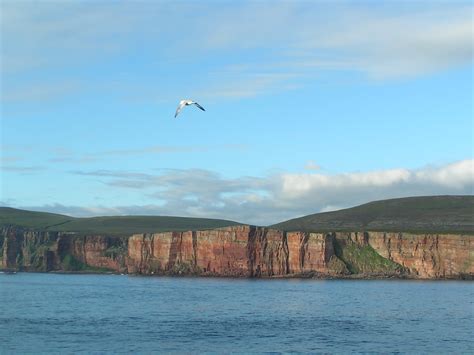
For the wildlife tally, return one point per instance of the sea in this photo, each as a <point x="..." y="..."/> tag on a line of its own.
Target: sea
<point x="73" y="313"/>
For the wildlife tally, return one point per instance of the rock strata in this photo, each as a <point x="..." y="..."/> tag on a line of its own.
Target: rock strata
<point x="244" y="251"/>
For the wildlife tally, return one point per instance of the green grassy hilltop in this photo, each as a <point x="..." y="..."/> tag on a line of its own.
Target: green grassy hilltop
<point x="412" y="214"/>
<point x="117" y="225"/>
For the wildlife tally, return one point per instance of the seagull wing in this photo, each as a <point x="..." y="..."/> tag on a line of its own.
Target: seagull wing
<point x="202" y="108"/>
<point x="180" y="107"/>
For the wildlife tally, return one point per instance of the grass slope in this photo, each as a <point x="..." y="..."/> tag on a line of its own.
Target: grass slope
<point x="364" y="259"/>
<point x="30" y="219"/>
<point x="119" y="225"/>
<point x="442" y="214"/>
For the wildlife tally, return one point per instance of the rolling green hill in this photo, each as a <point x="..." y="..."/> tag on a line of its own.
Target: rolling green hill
<point x="411" y="214"/>
<point x="30" y="219"/>
<point x="117" y="225"/>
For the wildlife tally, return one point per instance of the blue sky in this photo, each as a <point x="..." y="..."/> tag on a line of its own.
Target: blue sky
<point x="310" y="106"/>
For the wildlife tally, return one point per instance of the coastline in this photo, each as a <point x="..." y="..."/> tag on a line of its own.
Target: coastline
<point x="244" y="252"/>
<point x="306" y="276"/>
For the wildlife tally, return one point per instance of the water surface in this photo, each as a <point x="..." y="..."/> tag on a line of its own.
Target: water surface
<point x="113" y="313"/>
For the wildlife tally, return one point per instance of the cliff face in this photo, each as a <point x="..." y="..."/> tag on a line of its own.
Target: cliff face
<point x="26" y="249"/>
<point x="101" y="252"/>
<point x="427" y="255"/>
<point x="46" y="251"/>
<point x="313" y="252"/>
<point x="244" y="251"/>
<point x="251" y="251"/>
<point x="233" y="251"/>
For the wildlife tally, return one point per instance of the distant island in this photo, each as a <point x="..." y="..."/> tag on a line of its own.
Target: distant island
<point x="416" y="237"/>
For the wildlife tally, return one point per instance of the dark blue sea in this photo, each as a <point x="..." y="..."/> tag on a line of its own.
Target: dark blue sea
<point x="113" y="313"/>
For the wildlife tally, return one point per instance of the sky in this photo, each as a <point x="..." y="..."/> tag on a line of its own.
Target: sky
<point x="311" y="106"/>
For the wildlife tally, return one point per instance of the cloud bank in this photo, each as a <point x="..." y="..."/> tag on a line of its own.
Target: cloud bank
<point x="271" y="199"/>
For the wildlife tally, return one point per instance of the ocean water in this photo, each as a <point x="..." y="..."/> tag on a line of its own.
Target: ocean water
<point x="113" y="313"/>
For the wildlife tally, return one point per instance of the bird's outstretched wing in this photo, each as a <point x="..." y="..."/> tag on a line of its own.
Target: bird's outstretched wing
<point x="180" y="107"/>
<point x="202" y="108"/>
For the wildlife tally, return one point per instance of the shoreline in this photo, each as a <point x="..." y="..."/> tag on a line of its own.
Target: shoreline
<point x="322" y="277"/>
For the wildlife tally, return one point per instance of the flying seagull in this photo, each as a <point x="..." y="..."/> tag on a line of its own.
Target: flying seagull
<point x="183" y="103"/>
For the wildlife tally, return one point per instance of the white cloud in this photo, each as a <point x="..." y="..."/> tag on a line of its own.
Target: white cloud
<point x="62" y="155"/>
<point x="311" y="165"/>
<point x="247" y="49"/>
<point x="383" y="43"/>
<point x="454" y="175"/>
<point x="296" y="185"/>
<point x="40" y="91"/>
<point x="22" y="169"/>
<point x="272" y="199"/>
<point x="10" y="159"/>
<point x="244" y="84"/>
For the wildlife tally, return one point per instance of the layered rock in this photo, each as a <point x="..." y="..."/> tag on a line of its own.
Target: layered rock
<point x="31" y="250"/>
<point x="244" y="251"/>
<point x="233" y="251"/>
<point x="97" y="251"/>
<point x="310" y="252"/>
<point x="427" y="255"/>
<point x="26" y="249"/>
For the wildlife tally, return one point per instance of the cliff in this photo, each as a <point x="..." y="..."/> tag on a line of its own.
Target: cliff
<point x="233" y="251"/>
<point x="243" y="251"/>
<point x="30" y="250"/>
<point x="427" y="255"/>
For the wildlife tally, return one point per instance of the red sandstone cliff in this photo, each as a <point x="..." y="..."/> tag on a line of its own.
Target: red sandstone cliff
<point x="244" y="251"/>
<point x="427" y="255"/>
<point x="233" y="251"/>
<point x="253" y="251"/>
<point x="30" y="250"/>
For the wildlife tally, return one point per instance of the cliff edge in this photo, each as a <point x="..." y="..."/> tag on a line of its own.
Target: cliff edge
<point x="244" y="251"/>
<point x="417" y="237"/>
